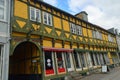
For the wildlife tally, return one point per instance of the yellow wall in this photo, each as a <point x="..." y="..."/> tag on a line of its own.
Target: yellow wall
<point x="90" y="33"/>
<point x="21" y="9"/>
<point x="67" y="45"/>
<point x="110" y="58"/>
<point x="57" y="22"/>
<point x="47" y="43"/>
<point x="84" y="31"/>
<point x="66" y="25"/>
<point x="74" y="45"/>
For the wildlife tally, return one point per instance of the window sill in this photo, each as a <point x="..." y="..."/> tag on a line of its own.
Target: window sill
<point x="3" y="21"/>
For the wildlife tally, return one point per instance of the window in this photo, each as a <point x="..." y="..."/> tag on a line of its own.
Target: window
<point x="69" y="61"/>
<point x="35" y="14"/>
<point x="99" y="35"/>
<point x="94" y="34"/>
<point x="73" y="28"/>
<point x="60" y="62"/>
<point x="49" y="67"/>
<point x="83" y="59"/>
<point x="92" y="58"/>
<point x="79" y="30"/>
<point x="2" y="9"/>
<point x="0" y="60"/>
<point x="110" y="38"/>
<point x="77" y="60"/>
<point x="47" y="18"/>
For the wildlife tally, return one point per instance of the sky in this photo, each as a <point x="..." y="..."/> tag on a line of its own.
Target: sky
<point x="105" y="13"/>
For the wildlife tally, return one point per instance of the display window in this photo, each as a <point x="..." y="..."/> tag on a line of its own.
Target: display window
<point x="49" y="63"/>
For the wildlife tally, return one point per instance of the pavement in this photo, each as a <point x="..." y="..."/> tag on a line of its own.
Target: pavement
<point x="114" y="74"/>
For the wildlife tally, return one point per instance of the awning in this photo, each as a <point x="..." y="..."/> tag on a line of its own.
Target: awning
<point x="57" y="49"/>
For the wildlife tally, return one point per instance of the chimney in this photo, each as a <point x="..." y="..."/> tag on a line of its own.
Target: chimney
<point x="82" y="15"/>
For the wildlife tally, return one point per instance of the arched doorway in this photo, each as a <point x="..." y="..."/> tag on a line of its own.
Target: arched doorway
<point x="25" y="62"/>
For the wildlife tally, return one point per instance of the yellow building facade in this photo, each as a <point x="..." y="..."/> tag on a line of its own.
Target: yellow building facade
<point x="48" y="43"/>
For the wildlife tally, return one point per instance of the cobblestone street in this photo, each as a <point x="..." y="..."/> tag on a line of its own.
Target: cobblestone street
<point x="112" y="75"/>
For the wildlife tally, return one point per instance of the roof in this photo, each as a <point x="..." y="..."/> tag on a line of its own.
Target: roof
<point x="46" y="4"/>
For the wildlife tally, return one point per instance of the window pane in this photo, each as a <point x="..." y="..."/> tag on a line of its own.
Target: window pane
<point x="49" y="63"/>
<point x="76" y="60"/>
<point x="49" y="19"/>
<point x="60" y="62"/>
<point x="45" y="18"/>
<point x="68" y="60"/>
<point x="83" y="59"/>
<point x="0" y="61"/>
<point x="32" y="14"/>
<point x="1" y="13"/>
<point x="37" y="15"/>
<point x="2" y="2"/>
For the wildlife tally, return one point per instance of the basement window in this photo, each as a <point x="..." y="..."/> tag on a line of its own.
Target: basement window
<point x="35" y="14"/>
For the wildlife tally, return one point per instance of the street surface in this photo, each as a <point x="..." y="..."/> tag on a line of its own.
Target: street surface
<point x="114" y="74"/>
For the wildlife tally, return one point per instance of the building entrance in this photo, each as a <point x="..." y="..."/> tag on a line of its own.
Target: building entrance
<point x="25" y="62"/>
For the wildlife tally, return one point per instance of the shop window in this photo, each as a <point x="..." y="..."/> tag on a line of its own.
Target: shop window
<point x="77" y="60"/>
<point x="60" y="62"/>
<point x="35" y="14"/>
<point x="2" y="9"/>
<point x="94" y="58"/>
<point x="89" y="61"/>
<point x="47" y="18"/>
<point x="0" y="60"/>
<point x="97" y="61"/>
<point x="49" y="63"/>
<point x="83" y="59"/>
<point x="93" y="62"/>
<point x="101" y="59"/>
<point x="69" y="61"/>
<point x="106" y="58"/>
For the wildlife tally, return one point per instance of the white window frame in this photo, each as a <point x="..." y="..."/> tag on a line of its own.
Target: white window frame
<point x="48" y="20"/>
<point x="1" y="60"/>
<point x="4" y="11"/>
<point x="89" y="61"/>
<point x="71" y="61"/>
<point x="110" y="38"/>
<point x="94" y="59"/>
<point x="63" y="59"/>
<point x="79" y="30"/>
<point x="52" y="64"/>
<point x="94" y="34"/>
<point x="73" y="28"/>
<point x="36" y="17"/>
<point x="79" y="61"/>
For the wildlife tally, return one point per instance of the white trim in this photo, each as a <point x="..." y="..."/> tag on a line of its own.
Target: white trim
<point x="35" y="10"/>
<point x="63" y="62"/>
<point x="71" y="62"/>
<point x="79" y="30"/>
<point x="4" y="13"/>
<point x="53" y="61"/>
<point x="73" y="28"/>
<point x="48" y="18"/>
